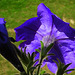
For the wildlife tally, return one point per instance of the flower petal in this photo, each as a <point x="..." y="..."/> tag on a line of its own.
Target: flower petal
<point x="45" y="16"/>
<point x="52" y="67"/>
<point x="31" y="47"/>
<point x="35" y="27"/>
<point x="27" y="30"/>
<point x="6" y="47"/>
<point x="2" y="26"/>
<point x="62" y="29"/>
<point x="67" y="48"/>
<point x="57" y="54"/>
<point x="64" y="50"/>
<point x="2" y="21"/>
<point x="3" y="32"/>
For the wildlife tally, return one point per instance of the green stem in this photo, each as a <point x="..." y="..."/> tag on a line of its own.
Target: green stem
<point x="31" y="73"/>
<point x="27" y="72"/>
<point x="39" y="66"/>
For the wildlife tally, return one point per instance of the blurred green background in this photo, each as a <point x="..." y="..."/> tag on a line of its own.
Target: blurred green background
<point x="17" y="12"/>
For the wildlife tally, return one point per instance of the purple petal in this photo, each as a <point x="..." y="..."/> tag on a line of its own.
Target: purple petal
<point x="58" y="54"/>
<point x="2" y="26"/>
<point x="2" y="21"/>
<point x="3" y="32"/>
<point x="64" y="50"/>
<point x="67" y="48"/>
<point x="62" y="29"/>
<point x="52" y="67"/>
<point x="45" y="16"/>
<point x="27" y="30"/>
<point x="31" y="47"/>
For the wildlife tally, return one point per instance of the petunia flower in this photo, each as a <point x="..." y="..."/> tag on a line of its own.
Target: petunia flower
<point x="49" y="28"/>
<point x="6" y="48"/>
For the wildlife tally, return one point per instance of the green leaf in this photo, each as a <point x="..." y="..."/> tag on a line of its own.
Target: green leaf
<point x="48" y="48"/>
<point x="32" y="56"/>
<point x="24" y="59"/>
<point x="33" y="68"/>
<point x="56" y="63"/>
<point x="37" y="50"/>
<point x="21" y="41"/>
<point x="42" y="45"/>
<point x="46" y="56"/>
<point x="65" y="67"/>
<point x="29" y="56"/>
<point x="42" y="72"/>
<point x="69" y="70"/>
<point x="62" y="67"/>
<point x="60" y="64"/>
<point x="42" y="50"/>
<point x="50" y="54"/>
<point x="25" y="50"/>
<point x="31" y="64"/>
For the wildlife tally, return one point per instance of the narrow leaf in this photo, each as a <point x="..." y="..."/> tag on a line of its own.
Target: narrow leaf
<point x="69" y="70"/>
<point x="32" y="56"/>
<point x="37" y="50"/>
<point x="65" y="67"/>
<point x="29" y="55"/>
<point x="31" y="64"/>
<point x="42" y="45"/>
<point x="42" y="50"/>
<point x="48" y="48"/>
<point x="56" y="63"/>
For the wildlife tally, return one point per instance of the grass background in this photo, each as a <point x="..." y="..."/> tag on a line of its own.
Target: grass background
<point x="17" y="12"/>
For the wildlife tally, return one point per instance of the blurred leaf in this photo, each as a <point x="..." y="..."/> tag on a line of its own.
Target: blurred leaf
<point x="37" y="50"/>
<point x="69" y="70"/>
<point x="42" y="72"/>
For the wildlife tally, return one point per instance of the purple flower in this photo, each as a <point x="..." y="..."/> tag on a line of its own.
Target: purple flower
<point x="3" y="32"/>
<point x="47" y="27"/>
<point x="6" y="48"/>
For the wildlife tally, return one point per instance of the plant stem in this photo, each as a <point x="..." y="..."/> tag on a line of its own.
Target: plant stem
<point x="39" y="66"/>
